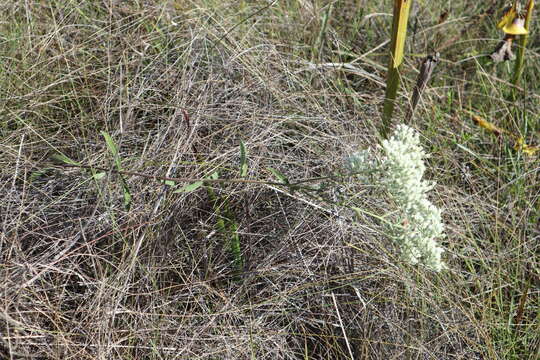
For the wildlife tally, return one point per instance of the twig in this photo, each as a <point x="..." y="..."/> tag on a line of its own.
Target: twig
<point x="342" y="327"/>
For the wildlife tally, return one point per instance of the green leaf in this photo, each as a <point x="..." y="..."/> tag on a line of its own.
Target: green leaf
<point x="99" y="175"/>
<point x="168" y="182"/>
<point x="220" y="225"/>
<point x="243" y="160"/>
<point x="190" y="187"/>
<point x="113" y="149"/>
<point x="127" y="195"/>
<point x="39" y="173"/>
<point x="64" y="159"/>
<point x="279" y="175"/>
<point x="357" y="211"/>
<point x="111" y="145"/>
<point x="235" y="245"/>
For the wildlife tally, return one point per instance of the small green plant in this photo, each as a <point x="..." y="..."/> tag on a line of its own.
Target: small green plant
<point x="113" y="149"/>
<point x="226" y="223"/>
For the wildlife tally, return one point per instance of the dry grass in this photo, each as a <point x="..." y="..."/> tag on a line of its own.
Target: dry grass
<point x="84" y="278"/>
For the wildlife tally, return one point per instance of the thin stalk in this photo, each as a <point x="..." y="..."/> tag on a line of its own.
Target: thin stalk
<point x="397" y="46"/>
<point x="297" y="184"/>
<point x="520" y="57"/>
<point x="319" y="44"/>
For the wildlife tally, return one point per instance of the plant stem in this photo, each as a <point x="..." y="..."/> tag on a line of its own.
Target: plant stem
<point x="397" y="46"/>
<point x="520" y="57"/>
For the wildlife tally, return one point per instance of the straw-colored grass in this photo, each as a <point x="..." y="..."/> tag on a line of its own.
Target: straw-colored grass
<point x="82" y="277"/>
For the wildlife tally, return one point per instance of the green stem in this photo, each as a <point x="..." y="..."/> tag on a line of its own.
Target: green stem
<point x="397" y="46"/>
<point x="523" y="39"/>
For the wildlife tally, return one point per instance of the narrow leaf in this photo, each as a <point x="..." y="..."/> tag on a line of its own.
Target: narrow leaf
<point x="111" y="145"/>
<point x="64" y="159"/>
<point x="357" y="211"/>
<point x="397" y="48"/>
<point x="399" y="31"/>
<point x="190" y="187"/>
<point x="39" y="173"/>
<point x="236" y="248"/>
<point x="169" y="183"/>
<point x="99" y="175"/>
<point x="243" y="160"/>
<point x="279" y="175"/>
<point x="113" y="149"/>
<point x="127" y="195"/>
<point x="487" y="125"/>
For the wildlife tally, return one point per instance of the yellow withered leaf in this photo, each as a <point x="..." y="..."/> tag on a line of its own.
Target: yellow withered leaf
<point x="519" y="144"/>
<point x="487" y="125"/>
<point x="526" y="149"/>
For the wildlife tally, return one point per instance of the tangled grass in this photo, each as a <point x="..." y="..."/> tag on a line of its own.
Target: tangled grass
<point x="178" y="85"/>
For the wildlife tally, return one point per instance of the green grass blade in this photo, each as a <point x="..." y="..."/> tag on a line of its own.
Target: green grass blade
<point x="319" y="45"/>
<point x="126" y="194"/>
<point x="243" y="160"/>
<point x="279" y="175"/>
<point x="113" y="149"/>
<point x="64" y="159"/>
<point x="235" y="245"/>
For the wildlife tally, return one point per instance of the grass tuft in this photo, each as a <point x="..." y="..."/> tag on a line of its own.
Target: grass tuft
<point x="292" y="272"/>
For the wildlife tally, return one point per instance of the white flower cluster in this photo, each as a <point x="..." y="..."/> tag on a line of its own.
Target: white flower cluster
<point x="401" y="171"/>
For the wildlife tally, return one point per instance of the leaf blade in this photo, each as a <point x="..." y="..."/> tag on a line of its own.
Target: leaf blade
<point x="243" y="160"/>
<point x="279" y="175"/>
<point x="189" y="187"/>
